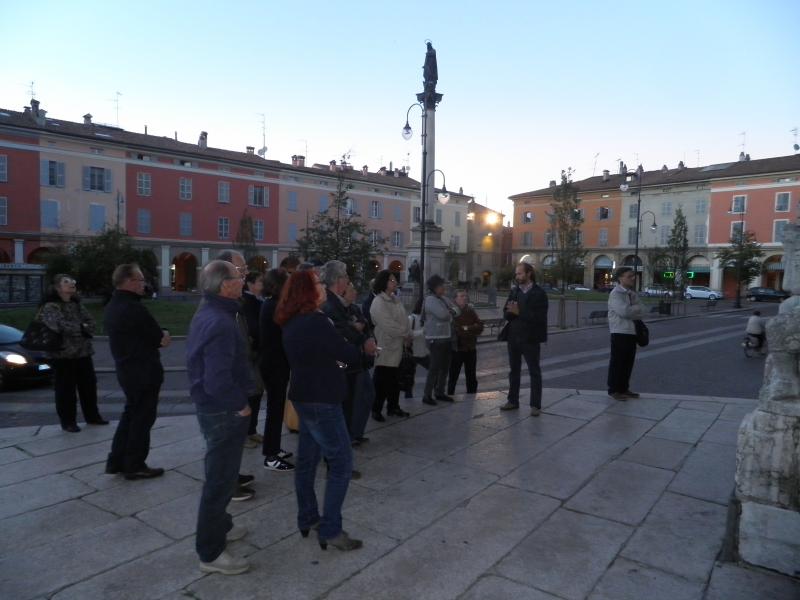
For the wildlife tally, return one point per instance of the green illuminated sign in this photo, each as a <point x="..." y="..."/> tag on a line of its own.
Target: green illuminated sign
<point x="690" y="274"/>
<point x="668" y="275"/>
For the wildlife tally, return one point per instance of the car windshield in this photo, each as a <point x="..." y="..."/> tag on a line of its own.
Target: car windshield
<point x="9" y="335"/>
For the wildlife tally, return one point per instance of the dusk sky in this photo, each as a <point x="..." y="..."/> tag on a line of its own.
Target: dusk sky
<point x="530" y="88"/>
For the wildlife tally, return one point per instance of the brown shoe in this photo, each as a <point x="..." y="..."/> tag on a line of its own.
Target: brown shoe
<point x="618" y="396"/>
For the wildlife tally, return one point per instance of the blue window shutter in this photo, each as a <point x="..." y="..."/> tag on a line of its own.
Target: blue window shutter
<point x="380" y="210"/>
<point x="353" y="206"/>
<point x="61" y="179"/>
<point x="266" y="196"/>
<point x="106" y="180"/>
<point x="323" y="203"/>
<point x="97" y="217"/>
<point x="86" y="178"/>
<point x="250" y="194"/>
<point x="44" y="169"/>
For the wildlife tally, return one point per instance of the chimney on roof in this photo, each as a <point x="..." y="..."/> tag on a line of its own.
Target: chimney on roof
<point x="298" y="160"/>
<point x="460" y="191"/>
<point x="87" y="119"/>
<point x="397" y="172"/>
<point x="251" y="149"/>
<point x="35" y="107"/>
<point x="681" y="166"/>
<point x="623" y="168"/>
<point x="606" y="174"/>
<point x="382" y="171"/>
<point x="747" y="157"/>
<point x="664" y="168"/>
<point x="552" y="183"/>
<point x="203" y="141"/>
<point x="742" y="157"/>
<point x="365" y="170"/>
<point x="332" y="165"/>
<point x="37" y="113"/>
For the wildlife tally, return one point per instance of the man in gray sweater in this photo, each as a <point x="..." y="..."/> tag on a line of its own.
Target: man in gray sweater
<point x="437" y="314"/>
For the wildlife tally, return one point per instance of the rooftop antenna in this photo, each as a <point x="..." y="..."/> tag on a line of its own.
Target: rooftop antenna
<point x="115" y="100"/>
<point x="744" y="139"/>
<point x="32" y="91"/>
<point x="796" y="145"/>
<point x="594" y="168"/>
<point x="263" y="151"/>
<point x="305" y="145"/>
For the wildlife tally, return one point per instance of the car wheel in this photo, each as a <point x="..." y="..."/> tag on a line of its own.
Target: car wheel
<point x="687" y="296"/>
<point x="712" y="297"/>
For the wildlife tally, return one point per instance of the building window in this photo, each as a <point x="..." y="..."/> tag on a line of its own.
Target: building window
<point x="292" y="232"/>
<point x="397" y="239"/>
<point x="438" y="216"/>
<point x="633" y="211"/>
<point x="602" y="237"/>
<point x="375" y="209"/>
<point x="323" y="203"/>
<point x="700" y="234"/>
<point x="527" y="239"/>
<point x="258" y="229"/>
<point x="350" y="207"/>
<point x="578" y="237"/>
<point x="185" y="224"/>
<point x="631" y="235"/>
<point x="223" y="228"/>
<point x="527" y="217"/>
<point x="97" y="218"/>
<point x="96" y="179"/>
<point x="52" y="173"/>
<point x="666" y="209"/>
<point x="457" y="218"/>
<point x="777" y="230"/>
<point x="144" y="184"/>
<point x="3" y="168"/>
<point x="398" y="213"/>
<point x="603" y="213"/>
<point x="455" y="242"/>
<point x="258" y="195"/>
<point x="374" y="237"/>
<point x="739" y="204"/>
<point x="549" y="239"/>
<point x="49" y="214"/>
<point x="478" y="259"/>
<point x="417" y="214"/>
<point x="185" y="188"/>
<point x="737" y="227"/>
<point x="701" y="207"/>
<point x="291" y="203"/>
<point x="223" y="192"/>
<point x="782" y="201"/>
<point x="3" y="210"/>
<point x="143" y="220"/>
<point x="663" y="234"/>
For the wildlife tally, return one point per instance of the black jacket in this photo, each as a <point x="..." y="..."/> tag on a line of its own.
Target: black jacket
<point x="530" y="326"/>
<point x="342" y="319"/>
<point x="135" y="339"/>
<point x="272" y="358"/>
<point x="251" y="311"/>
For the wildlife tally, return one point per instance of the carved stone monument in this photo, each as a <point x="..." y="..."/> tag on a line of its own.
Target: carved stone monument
<point x="768" y="449"/>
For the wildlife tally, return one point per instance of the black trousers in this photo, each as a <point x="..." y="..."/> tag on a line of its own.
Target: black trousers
<point x="620" y="365"/>
<point x="387" y="389"/>
<point x="73" y="378"/>
<point x="131" y="443"/>
<point x="275" y="386"/>
<point x="530" y="352"/>
<point x="468" y="358"/>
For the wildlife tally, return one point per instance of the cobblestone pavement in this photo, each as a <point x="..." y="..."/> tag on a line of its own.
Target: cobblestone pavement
<point x="593" y="499"/>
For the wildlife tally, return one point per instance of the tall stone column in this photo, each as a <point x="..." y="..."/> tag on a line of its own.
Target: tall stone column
<point x="165" y="268"/>
<point x="768" y="448"/>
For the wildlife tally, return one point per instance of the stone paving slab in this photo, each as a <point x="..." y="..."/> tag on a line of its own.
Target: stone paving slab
<point x="593" y="499"/>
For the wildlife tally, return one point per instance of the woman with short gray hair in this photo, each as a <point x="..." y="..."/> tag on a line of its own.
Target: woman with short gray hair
<point x="623" y="308"/>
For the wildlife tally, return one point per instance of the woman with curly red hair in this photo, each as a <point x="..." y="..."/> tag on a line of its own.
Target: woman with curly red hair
<point x="316" y="353"/>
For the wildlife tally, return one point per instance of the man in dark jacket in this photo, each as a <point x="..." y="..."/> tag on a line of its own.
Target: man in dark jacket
<point x="220" y="383"/>
<point x="526" y="312"/>
<point x="135" y="339"/>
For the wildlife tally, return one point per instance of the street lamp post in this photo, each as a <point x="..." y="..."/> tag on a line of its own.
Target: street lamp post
<point x="624" y="187"/>
<point x="407" y="133"/>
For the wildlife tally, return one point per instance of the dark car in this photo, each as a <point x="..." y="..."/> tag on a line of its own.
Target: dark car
<point x="758" y="294"/>
<point x="20" y="366"/>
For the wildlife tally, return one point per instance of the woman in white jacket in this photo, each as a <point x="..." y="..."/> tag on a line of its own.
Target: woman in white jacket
<point x="391" y="331"/>
<point x="623" y="309"/>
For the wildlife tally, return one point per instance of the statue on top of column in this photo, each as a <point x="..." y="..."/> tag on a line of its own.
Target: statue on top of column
<point x="430" y="70"/>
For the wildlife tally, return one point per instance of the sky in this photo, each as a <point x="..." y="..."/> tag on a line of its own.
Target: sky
<point x="530" y="87"/>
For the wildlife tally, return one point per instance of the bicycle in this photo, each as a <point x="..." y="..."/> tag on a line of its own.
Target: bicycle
<point x="750" y="346"/>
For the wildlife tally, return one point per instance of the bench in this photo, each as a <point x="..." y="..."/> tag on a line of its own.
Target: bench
<point x="597" y="316"/>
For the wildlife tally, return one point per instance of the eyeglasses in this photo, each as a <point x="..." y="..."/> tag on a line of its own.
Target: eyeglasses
<point x="243" y="270"/>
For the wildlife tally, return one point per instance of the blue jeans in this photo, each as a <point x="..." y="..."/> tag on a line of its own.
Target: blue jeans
<point x="323" y="432"/>
<point x="224" y="433"/>
<point x="530" y="352"/>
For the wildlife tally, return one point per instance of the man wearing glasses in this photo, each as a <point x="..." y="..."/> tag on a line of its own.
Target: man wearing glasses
<point x="135" y="339"/>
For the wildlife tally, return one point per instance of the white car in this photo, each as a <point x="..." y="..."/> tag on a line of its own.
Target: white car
<point x="576" y="287"/>
<point x="701" y="291"/>
<point x="657" y="290"/>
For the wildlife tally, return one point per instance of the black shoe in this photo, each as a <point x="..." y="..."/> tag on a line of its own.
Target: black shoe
<point x="397" y="412"/>
<point x="341" y="542"/>
<point x="241" y="494"/>
<point x="444" y="398"/>
<point x="362" y="440"/>
<point x="355" y="474"/>
<point x="430" y="401"/>
<point x="111" y="470"/>
<point x="295" y="431"/>
<point x="144" y="473"/>
<point x="71" y="428"/>
<point x="314" y="526"/>
<point x="283" y="454"/>
<point x="246" y="480"/>
<point x="378" y="417"/>
<point x="277" y="464"/>
<point x="98" y="421"/>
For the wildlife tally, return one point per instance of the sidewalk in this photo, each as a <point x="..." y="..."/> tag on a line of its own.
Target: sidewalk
<point x="594" y="499"/>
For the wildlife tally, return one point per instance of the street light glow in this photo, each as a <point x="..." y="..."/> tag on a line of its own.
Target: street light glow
<point x="491" y="218"/>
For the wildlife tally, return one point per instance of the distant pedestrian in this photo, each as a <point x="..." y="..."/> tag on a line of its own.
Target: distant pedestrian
<point x="755" y="328"/>
<point x="135" y="339"/>
<point x="364" y="389"/>
<point x="391" y="332"/>
<point x="252" y="299"/>
<point x="526" y="312"/>
<point x="623" y="308"/>
<point x="73" y="369"/>
<point x="318" y="356"/>
<point x="468" y="327"/>
<point x="438" y="313"/>
<point x="220" y="382"/>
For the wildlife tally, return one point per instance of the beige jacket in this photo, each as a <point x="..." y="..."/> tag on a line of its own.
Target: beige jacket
<point x="623" y="308"/>
<point x="391" y="329"/>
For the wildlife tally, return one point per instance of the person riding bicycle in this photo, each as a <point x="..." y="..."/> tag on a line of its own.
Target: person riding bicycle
<point x="755" y="328"/>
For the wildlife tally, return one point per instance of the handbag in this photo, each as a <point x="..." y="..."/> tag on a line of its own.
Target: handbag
<point x="39" y="336"/>
<point x="642" y="333"/>
<point x="503" y="335"/>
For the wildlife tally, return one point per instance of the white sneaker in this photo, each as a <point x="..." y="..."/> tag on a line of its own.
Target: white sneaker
<point x="236" y="533"/>
<point x="225" y="563"/>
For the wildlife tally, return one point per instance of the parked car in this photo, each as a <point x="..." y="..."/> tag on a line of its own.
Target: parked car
<point x="657" y="290"/>
<point x="577" y="287"/>
<point x="18" y="365"/>
<point x="701" y="291"/>
<point x="606" y="289"/>
<point x="758" y="294"/>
